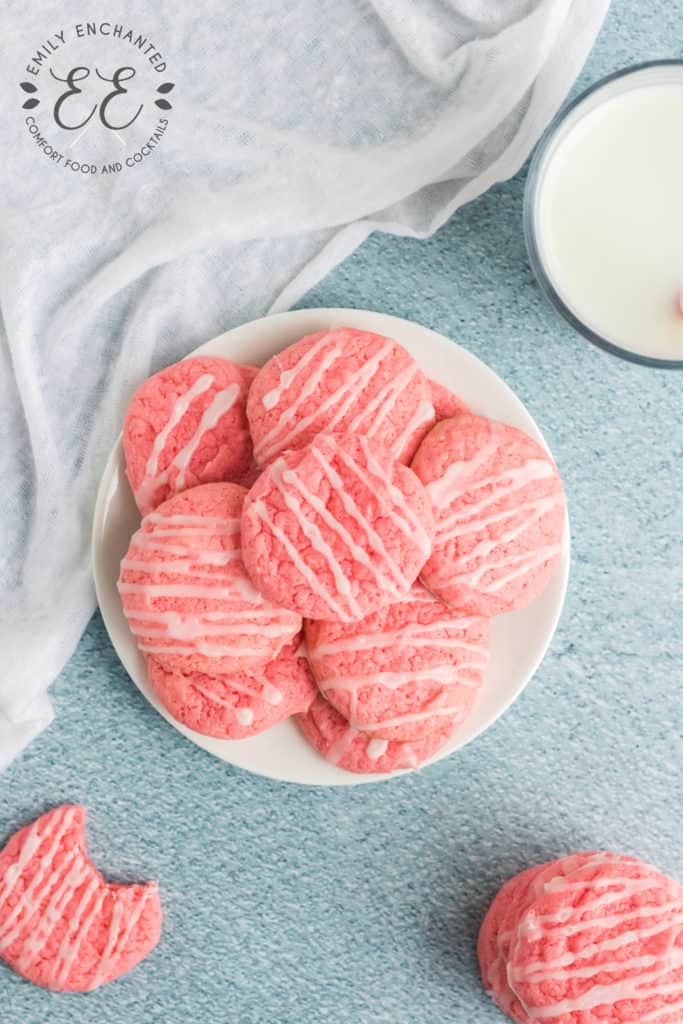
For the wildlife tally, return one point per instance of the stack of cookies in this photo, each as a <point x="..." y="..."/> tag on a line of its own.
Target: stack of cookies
<point x="328" y="537"/>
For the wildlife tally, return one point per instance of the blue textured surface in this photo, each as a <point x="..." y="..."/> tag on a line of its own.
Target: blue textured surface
<point x="289" y="905"/>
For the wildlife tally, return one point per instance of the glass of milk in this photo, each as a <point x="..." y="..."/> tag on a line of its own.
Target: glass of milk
<point x="603" y="213"/>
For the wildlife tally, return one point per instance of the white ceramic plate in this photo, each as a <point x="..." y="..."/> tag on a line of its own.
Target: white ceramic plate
<point x="519" y="639"/>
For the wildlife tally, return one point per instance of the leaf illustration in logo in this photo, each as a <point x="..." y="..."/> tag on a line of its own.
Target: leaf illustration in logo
<point x="166" y="87"/>
<point x="30" y="104"/>
<point x="163" y="104"/>
<point x="28" y="86"/>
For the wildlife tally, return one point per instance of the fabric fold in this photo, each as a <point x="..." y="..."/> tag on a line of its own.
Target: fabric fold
<point x="293" y="132"/>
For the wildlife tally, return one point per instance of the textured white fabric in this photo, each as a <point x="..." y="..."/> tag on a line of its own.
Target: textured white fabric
<point x="297" y="129"/>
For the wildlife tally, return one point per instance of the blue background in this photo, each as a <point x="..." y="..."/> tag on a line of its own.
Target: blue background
<point x="290" y="905"/>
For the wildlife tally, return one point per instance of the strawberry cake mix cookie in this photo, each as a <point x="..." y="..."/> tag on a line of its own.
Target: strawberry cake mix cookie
<point x="340" y="380"/>
<point x="594" y="938"/>
<point x="336" y="529"/>
<point x="402" y="671"/>
<point x="187" y="425"/>
<point x="61" y="925"/>
<point x="186" y="593"/>
<point x="241" y="704"/>
<point x="355" y="751"/>
<point x="499" y="511"/>
<point x="497" y="932"/>
<point x="446" y="403"/>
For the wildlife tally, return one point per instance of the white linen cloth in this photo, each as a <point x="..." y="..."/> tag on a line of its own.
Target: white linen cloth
<point x="297" y="129"/>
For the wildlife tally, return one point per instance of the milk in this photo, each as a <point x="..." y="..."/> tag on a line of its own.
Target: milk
<point x="608" y="212"/>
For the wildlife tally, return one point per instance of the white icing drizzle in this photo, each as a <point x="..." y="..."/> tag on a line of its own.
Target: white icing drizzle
<point x="618" y="888"/>
<point x="68" y="947"/>
<point x="121" y="942"/>
<point x="342" y="746"/>
<point x="208" y="524"/>
<point x="64" y="881"/>
<point x="407" y="757"/>
<point x="525" y="561"/>
<point x="446" y="675"/>
<point x="221" y="403"/>
<point x="176" y="621"/>
<point x="71" y="951"/>
<point x="382" y="404"/>
<point x="394" y="648"/>
<point x="207" y="650"/>
<point x="359" y="554"/>
<point x="423" y="414"/>
<point x="537" y="509"/>
<point x="622" y="941"/>
<point x="413" y="635"/>
<point x="178" y="567"/>
<point x="192" y="628"/>
<point x="410" y="526"/>
<point x="660" y="1014"/>
<point x="418" y="534"/>
<point x="211" y="571"/>
<point x="272" y="440"/>
<point x="454" y="711"/>
<point x="357" y="384"/>
<point x="180" y="590"/>
<point x="453" y="479"/>
<point x="277" y="438"/>
<point x="152" y="478"/>
<point x="382" y="401"/>
<point x="376" y="749"/>
<point x="29" y="848"/>
<point x="268" y="692"/>
<point x="312" y="532"/>
<point x="618" y="917"/>
<point x="599" y="995"/>
<point x="475" y="568"/>
<point x="289" y="477"/>
<point x="351" y="508"/>
<point x="668" y="959"/>
<point x="41" y="881"/>
<point x="514" y="480"/>
<point x="187" y="552"/>
<point x="112" y="939"/>
<point x="245" y="716"/>
<point x="272" y="397"/>
<point x="649" y="975"/>
<point x="51" y="890"/>
<point x="300" y="564"/>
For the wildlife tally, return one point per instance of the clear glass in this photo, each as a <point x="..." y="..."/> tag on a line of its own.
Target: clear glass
<point x="591" y="98"/>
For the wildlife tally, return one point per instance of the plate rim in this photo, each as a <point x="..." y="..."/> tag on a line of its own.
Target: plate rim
<point x="333" y="313"/>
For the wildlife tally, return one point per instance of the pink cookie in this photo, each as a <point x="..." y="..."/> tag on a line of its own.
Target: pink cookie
<point x="186" y="593"/>
<point x="593" y="939"/>
<point x="340" y="380"/>
<point x="404" y="670"/>
<point x="498" y="931"/>
<point x="240" y="705"/>
<point x="355" y="751"/>
<point x="499" y="509"/>
<point x="446" y="403"/>
<point x="336" y="529"/>
<point x="61" y="925"/>
<point x="187" y="425"/>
